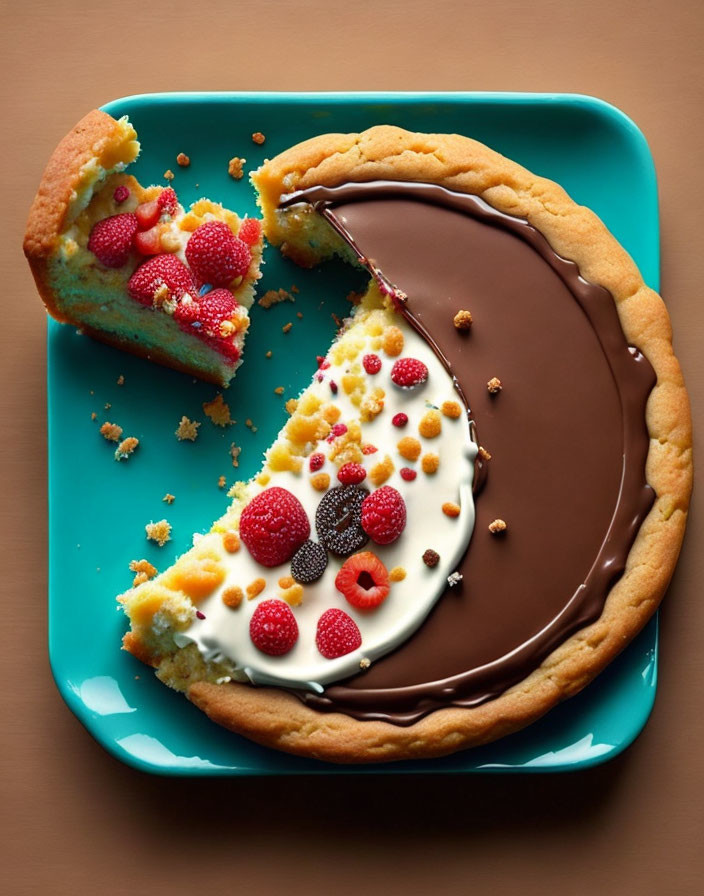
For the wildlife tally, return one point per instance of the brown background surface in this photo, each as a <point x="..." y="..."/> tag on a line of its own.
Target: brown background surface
<point x="76" y="821"/>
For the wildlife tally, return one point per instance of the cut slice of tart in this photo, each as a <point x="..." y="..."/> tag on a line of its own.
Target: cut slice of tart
<point x="129" y="266"/>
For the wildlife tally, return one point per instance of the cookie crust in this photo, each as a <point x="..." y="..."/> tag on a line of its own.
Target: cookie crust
<point x="277" y="719"/>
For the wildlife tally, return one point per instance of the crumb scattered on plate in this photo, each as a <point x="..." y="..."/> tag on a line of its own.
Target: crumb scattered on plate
<point x="218" y="411"/>
<point x="235" y="167"/>
<point x="126" y="448"/>
<point x="144" y="571"/>
<point x="160" y="532"/>
<point x="187" y="430"/>
<point x="111" y="431"/>
<point x="274" y="296"/>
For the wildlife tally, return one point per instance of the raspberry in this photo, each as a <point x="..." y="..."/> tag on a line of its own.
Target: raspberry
<point x="309" y="562"/>
<point x="148" y="242"/>
<point x="250" y="231"/>
<point x="337" y="634"/>
<point x="168" y="201"/>
<point x="162" y="270"/>
<point x="121" y="193"/>
<point x="316" y="461"/>
<point x="148" y="214"/>
<point x="215" y="307"/>
<point x="339" y="429"/>
<point x="363" y="581"/>
<point x="408" y="372"/>
<point x="400" y="420"/>
<point x="273" y="526"/>
<point x="338" y="519"/>
<point x="273" y="628"/>
<point x="215" y="255"/>
<point x="371" y="363"/>
<point x="186" y="313"/>
<point x="384" y="515"/>
<point x="408" y="474"/>
<point x="111" y="239"/>
<point x="351" y="474"/>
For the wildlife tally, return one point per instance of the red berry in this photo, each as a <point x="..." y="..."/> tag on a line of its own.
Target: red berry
<point x="351" y="474"/>
<point x="273" y="526"/>
<point x="337" y="634"/>
<point x="148" y="214"/>
<point x="384" y="515"/>
<point x="168" y="201"/>
<point x="322" y="363"/>
<point x="363" y="581"/>
<point x="162" y="270"/>
<point x="408" y="474"/>
<point x="372" y="363"/>
<point x="333" y="387"/>
<point x="339" y="429"/>
<point x="215" y="255"/>
<point x="408" y="372"/>
<point x="399" y="419"/>
<point x="273" y="628"/>
<point x="250" y="231"/>
<point x="186" y="313"/>
<point x="111" y="239"/>
<point x="369" y="449"/>
<point x="148" y="242"/>
<point x="121" y="193"/>
<point x="215" y="307"/>
<point x="316" y="461"/>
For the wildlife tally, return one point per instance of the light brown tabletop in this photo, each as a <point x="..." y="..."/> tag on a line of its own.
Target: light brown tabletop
<point x="74" y="820"/>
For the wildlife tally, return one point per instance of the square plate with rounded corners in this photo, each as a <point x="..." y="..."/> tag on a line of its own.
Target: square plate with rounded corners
<point x="98" y="508"/>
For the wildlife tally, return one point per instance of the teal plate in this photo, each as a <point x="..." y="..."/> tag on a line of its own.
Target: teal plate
<point x="98" y="508"/>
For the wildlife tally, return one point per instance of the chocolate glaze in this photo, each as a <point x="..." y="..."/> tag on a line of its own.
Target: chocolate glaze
<point x="567" y="437"/>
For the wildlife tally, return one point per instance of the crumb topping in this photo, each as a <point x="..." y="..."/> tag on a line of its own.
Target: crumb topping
<point x="463" y="320"/>
<point x="497" y="527"/>
<point x="483" y="453"/>
<point x="494" y="385"/>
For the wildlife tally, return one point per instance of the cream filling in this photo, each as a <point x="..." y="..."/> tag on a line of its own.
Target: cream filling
<point x="223" y="635"/>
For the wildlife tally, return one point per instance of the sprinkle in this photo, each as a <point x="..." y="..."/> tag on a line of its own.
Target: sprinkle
<point x="494" y="385"/>
<point x="200" y="615"/>
<point x="449" y="508"/>
<point x="258" y="137"/>
<point x="234" y="168"/>
<point x="232" y="597"/>
<point x="451" y="409"/>
<point x="168" y="174"/>
<point x="255" y="588"/>
<point x="397" y="574"/>
<point x="126" y="448"/>
<point x="187" y="430"/>
<point x="159" y="532"/>
<point x="454" y="579"/>
<point x="111" y="432"/>
<point x="431" y="558"/>
<point x="430" y="463"/>
<point x="463" y="320"/>
<point x="498" y="527"/>
<point x="286" y="327"/>
<point x="235" y="451"/>
<point x="231" y="541"/>
<point x="183" y="160"/>
<point x="168" y="498"/>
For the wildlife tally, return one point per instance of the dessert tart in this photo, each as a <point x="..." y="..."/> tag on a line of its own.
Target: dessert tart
<point x="128" y="265"/>
<point x="480" y="498"/>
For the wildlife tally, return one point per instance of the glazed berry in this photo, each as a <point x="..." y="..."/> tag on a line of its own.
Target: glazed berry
<point x="408" y="474"/>
<point x="337" y="634"/>
<point x="215" y="255"/>
<point x="273" y="526"/>
<point x="168" y="201"/>
<point x="162" y="270"/>
<point x="363" y="581"/>
<point x="250" y="231"/>
<point x="371" y="363"/>
<point x="148" y="214"/>
<point x="148" y="242"/>
<point x="215" y="307"/>
<point x="121" y="194"/>
<point x="186" y="313"/>
<point x="309" y="562"/>
<point x="315" y="462"/>
<point x="400" y="420"/>
<point x="338" y="520"/>
<point x="111" y="239"/>
<point x="408" y="372"/>
<point x="273" y="628"/>
<point x="351" y="474"/>
<point x="384" y="515"/>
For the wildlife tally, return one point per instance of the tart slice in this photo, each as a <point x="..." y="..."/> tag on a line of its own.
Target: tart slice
<point x="129" y="266"/>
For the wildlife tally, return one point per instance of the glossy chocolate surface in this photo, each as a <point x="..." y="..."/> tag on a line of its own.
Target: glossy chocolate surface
<point x="566" y="434"/>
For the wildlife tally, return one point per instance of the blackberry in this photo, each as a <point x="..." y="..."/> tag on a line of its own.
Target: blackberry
<point x="309" y="562"/>
<point x="338" y="520"/>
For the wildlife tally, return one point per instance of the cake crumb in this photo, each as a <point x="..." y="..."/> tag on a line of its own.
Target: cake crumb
<point x="286" y="327"/>
<point x="222" y="482"/>
<point x="483" y="453"/>
<point x="338" y="322"/>
<point x="431" y="558"/>
<point x="354" y="298"/>
<point x="498" y="527"/>
<point x="279" y="390"/>
<point x="258" y="138"/>
<point x="397" y="574"/>
<point x="111" y="432"/>
<point x="463" y="320"/>
<point x="93" y="416"/>
<point x="168" y="498"/>
<point x="454" y="579"/>
<point x="218" y="411"/>
<point x="231" y="541"/>
<point x="449" y="508"/>
<point x="187" y="430"/>
<point x="268" y="354"/>
<point x="107" y="405"/>
<point x="494" y="385"/>
<point x="255" y="588"/>
<point x="144" y="571"/>
<point x="234" y="168"/>
<point x="291" y="405"/>
<point x="235" y="451"/>
<point x="183" y="160"/>
<point x="294" y="289"/>
<point x="120" y="380"/>
<point x="365" y="662"/>
<point x="299" y="315"/>
<point x="232" y="597"/>
<point x="160" y="532"/>
<point x="274" y="297"/>
<point x="168" y="174"/>
<point x="126" y="448"/>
